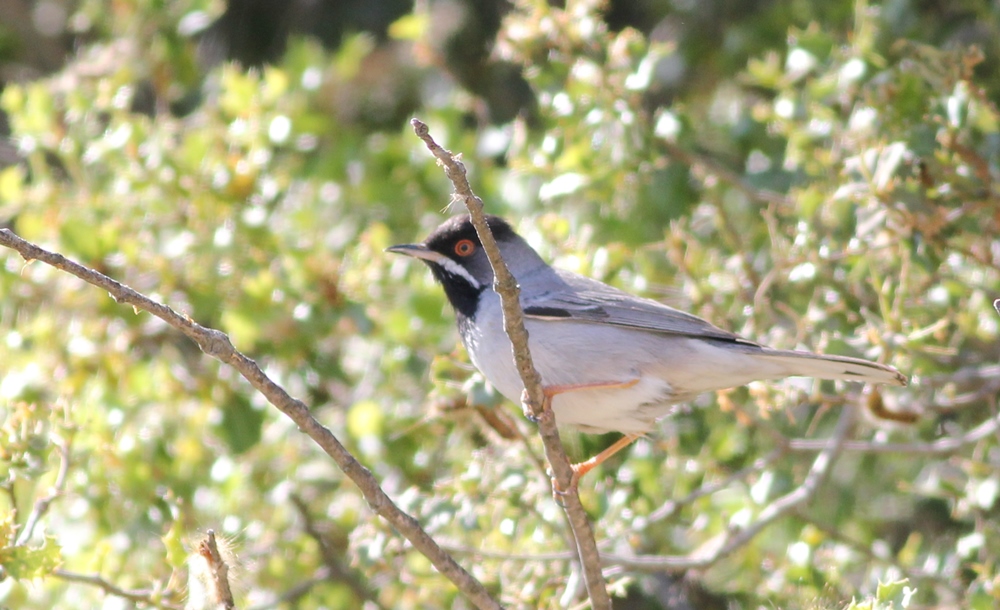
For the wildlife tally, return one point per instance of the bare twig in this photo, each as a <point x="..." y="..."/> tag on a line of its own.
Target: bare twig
<point x="145" y="597"/>
<point x="506" y="286"/>
<point x="217" y="344"/>
<point x="222" y="594"/>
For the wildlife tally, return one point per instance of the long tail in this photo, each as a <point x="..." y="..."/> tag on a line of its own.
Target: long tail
<point x="807" y="364"/>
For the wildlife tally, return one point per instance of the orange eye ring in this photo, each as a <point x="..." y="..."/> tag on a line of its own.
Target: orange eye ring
<point x="465" y="247"/>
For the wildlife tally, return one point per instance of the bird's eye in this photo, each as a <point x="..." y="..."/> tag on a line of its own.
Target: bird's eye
<point x="465" y="247"/>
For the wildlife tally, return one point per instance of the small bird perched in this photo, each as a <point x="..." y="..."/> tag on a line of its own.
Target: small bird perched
<point x="609" y="361"/>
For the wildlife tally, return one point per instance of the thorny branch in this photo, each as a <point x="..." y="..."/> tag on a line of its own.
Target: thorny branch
<point x="217" y="344"/>
<point x="506" y="286"/>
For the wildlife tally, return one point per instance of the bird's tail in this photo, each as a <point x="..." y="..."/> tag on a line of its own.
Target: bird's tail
<point x="807" y="364"/>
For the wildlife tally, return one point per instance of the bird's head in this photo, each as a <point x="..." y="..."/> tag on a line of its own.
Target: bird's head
<point x="457" y="259"/>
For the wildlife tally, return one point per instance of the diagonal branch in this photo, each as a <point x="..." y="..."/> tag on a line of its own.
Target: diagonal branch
<point x="217" y="344"/>
<point x="786" y="504"/>
<point x="513" y="320"/>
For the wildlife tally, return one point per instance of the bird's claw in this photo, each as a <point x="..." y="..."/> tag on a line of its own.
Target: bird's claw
<point x="558" y="493"/>
<point x="526" y="408"/>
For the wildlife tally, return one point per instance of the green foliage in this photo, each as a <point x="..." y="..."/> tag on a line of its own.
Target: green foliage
<point x="888" y="596"/>
<point x="824" y="183"/>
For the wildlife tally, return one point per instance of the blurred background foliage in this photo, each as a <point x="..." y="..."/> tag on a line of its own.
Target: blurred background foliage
<point x="814" y="175"/>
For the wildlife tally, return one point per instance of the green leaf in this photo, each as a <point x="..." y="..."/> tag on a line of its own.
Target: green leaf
<point x="241" y="423"/>
<point x="26" y="563"/>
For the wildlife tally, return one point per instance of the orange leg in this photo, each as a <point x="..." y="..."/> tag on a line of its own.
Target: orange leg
<point x="586" y="466"/>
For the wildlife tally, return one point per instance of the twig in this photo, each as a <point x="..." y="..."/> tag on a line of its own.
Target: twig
<point x="945" y="577"/>
<point x="784" y="505"/>
<point x="513" y="320"/>
<point x="139" y="596"/>
<point x="222" y="594"/>
<point x="819" y="472"/>
<point x="739" y="182"/>
<point x="334" y="566"/>
<point x="942" y="446"/>
<point x="217" y="344"/>
<point x="297" y="592"/>
<point x="42" y="504"/>
<point x="672" y="506"/>
<point x="790" y="503"/>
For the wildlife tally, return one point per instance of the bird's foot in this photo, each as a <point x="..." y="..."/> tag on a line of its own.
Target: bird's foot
<point x="582" y="468"/>
<point x="526" y="407"/>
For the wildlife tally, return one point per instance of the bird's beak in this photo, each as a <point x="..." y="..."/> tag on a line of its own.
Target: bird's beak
<point x="418" y="251"/>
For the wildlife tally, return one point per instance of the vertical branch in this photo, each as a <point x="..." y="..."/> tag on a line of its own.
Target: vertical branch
<point x="513" y="318"/>
<point x="222" y="594"/>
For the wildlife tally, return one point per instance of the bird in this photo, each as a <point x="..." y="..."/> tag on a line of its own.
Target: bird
<point x="609" y="361"/>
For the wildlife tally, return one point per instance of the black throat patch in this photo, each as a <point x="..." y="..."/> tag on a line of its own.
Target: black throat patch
<point x="462" y="295"/>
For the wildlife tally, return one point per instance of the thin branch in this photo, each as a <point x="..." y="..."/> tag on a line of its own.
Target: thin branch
<point x="793" y="502"/>
<point x="11" y="496"/>
<point x="736" y="538"/>
<point x="219" y="571"/>
<point x="218" y="345"/>
<point x="513" y="319"/>
<point x="42" y="504"/>
<point x="753" y="193"/>
<point x="297" y="592"/>
<point x="145" y="597"/>
<point x="532" y="454"/>
<point x="942" y="446"/>
<point x="672" y="506"/>
<point x="802" y="495"/>
<point x="335" y="568"/>
<point x="944" y="577"/>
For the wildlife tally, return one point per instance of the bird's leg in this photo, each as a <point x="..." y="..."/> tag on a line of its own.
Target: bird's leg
<point x="586" y="466"/>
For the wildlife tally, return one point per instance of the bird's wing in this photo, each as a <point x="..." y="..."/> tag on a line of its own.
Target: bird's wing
<point x="573" y="297"/>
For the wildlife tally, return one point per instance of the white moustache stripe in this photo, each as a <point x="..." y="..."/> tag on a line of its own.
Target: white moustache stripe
<point x="455" y="269"/>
